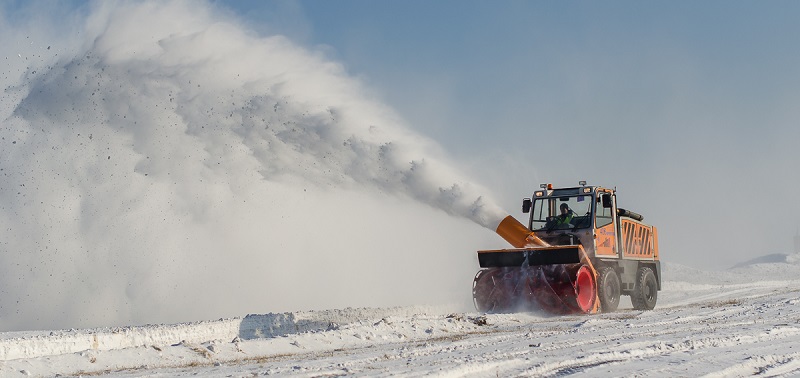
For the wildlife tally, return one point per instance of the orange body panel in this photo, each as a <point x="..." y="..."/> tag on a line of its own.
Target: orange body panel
<point x="638" y="240"/>
<point x="655" y="242"/>
<point x="606" y="241"/>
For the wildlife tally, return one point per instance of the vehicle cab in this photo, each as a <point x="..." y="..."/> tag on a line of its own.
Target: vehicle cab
<point x="582" y="215"/>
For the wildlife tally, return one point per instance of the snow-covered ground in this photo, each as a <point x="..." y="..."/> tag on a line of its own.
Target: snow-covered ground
<point x="738" y="322"/>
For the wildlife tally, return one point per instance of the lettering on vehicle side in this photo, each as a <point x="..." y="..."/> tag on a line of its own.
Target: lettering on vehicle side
<point x="605" y="240"/>
<point x="606" y="232"/>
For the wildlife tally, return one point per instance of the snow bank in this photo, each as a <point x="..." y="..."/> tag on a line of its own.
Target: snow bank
<point x="65" y="342"/>
<point x="17" y="345"/>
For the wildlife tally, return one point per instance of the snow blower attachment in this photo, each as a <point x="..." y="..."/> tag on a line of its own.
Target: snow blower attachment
<point x="579" y="254"/>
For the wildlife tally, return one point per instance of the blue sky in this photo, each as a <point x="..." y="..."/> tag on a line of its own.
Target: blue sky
<point x="517" y="67"/>
<point x="689" y="108"/>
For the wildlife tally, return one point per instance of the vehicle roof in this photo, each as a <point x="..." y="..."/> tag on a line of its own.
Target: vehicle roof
<point x="572" y="191"/>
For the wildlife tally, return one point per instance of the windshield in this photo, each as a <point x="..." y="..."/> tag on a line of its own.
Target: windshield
<point x="560" y="213"/>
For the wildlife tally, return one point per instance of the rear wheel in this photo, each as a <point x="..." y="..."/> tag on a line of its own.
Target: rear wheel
<point x="608" y="289"/>
<point x="645" y="291"/>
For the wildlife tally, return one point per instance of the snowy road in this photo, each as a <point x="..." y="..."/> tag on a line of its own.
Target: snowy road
<point x="713" y="324"/>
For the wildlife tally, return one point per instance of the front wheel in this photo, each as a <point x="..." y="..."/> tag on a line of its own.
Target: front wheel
<point x="585" y="289"/>
<point x="608" y="289"/>
<point x="493" y="290"/>
<point x="645" y="291"/>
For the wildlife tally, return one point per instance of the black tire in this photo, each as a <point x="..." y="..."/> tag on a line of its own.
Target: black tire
<point x="491" y="291"/>
<point x="645" y="291"/>
<point x="608" y="289"/>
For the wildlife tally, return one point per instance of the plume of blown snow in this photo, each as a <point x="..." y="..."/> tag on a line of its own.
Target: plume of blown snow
<point x="161" y="173"/>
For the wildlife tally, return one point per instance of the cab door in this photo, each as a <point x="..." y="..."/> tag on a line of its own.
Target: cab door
<point x="605" y="223"/>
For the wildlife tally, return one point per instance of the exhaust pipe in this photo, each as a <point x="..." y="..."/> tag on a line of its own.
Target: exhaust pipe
<point x="630" y="214"/>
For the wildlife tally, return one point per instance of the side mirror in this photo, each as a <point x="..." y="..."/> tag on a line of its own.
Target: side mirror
<point x="606" y="201"/>
<point x="526" y="205"/>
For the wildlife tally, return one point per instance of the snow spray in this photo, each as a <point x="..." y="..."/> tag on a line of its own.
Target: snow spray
<point x="173" y="171"/>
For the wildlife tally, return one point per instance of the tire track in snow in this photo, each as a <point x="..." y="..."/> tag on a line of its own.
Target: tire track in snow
<point x="716" y="315"/>
<point x="767" y="365"/>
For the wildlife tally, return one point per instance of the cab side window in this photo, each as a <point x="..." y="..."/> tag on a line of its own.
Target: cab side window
<point x="603" y="214"/>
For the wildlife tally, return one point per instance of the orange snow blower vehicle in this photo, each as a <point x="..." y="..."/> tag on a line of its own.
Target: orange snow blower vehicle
<point x="578" y="254"/>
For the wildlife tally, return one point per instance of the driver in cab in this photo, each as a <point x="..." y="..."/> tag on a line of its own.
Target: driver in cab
<point x="566" y="216"/>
